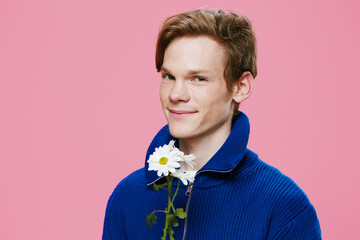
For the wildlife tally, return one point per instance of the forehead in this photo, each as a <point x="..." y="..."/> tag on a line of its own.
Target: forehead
<point x="194" y="53"/>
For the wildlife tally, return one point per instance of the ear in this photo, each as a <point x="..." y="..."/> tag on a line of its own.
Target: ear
<point x="243" y="87"/>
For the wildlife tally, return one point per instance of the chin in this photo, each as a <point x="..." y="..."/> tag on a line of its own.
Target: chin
<point x="181" y="132"/>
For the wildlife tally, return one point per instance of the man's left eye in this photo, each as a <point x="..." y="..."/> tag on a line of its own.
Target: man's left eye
<point x="200" y="79"/>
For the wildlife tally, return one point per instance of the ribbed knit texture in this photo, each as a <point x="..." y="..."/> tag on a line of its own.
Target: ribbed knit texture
<point x="235" y="196"/>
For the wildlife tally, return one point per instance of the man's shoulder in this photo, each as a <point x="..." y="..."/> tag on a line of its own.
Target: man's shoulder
<point x="288" y="205"/>
<point x="134" y="179"/>
<point x="275" y="186"/>
<point x="131" y="184"/>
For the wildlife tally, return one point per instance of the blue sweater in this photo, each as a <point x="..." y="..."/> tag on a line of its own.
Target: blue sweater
<point x="234" y="196"/>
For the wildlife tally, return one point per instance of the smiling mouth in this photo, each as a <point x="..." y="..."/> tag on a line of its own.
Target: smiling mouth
<point x="180" y="113"/>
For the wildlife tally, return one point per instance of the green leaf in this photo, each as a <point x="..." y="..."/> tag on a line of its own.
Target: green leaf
<point x="156" y="187"/>
<point x="179" y="212"/>
<point x="151" y="218"/>
<point x="171" y="233"/>
<point x="173" y="220"/>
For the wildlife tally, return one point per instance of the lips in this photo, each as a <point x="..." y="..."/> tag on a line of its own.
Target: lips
<point x="181" y="113"/>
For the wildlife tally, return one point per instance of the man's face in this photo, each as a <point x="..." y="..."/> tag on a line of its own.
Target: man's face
<point x="193" y="92"/>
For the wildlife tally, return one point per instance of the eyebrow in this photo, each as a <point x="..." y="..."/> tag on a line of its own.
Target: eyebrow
<point x="190" y="72"/>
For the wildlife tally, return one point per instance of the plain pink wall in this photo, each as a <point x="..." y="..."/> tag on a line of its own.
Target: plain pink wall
<point x="79" y="105"/>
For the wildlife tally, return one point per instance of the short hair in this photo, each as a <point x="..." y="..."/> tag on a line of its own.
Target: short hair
<point x="232" y="32"/>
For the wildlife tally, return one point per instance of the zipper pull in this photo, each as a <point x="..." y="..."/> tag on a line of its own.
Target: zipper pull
<point x="189" y="189"/>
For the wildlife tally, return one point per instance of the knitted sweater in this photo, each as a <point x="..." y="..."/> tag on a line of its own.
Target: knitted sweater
<point x="234" y="196"/>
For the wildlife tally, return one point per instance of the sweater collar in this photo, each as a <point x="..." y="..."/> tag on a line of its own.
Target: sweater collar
<point x="225" y="159"/>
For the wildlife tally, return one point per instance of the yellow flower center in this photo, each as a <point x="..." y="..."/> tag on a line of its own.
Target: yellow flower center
<point x="163" y="160"/>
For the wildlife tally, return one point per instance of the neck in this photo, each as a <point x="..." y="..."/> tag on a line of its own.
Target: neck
<point x="204" y="147"/>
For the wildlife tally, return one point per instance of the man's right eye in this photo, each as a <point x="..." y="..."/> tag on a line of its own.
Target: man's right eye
<point x="169" y="77"/>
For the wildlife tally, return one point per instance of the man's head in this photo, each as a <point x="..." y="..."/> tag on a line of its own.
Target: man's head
<point x="232" y="32"/>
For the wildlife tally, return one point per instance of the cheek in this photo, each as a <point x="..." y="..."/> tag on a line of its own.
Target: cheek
<point x="213" y="97"/>
<point x="163" y="93"/>
<point x="219" y="104"/>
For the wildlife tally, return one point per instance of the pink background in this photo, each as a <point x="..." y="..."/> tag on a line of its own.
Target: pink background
<point x="79" y="105"/>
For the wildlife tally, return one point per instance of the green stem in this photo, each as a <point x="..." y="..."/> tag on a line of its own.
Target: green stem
<point x="176" y="192"/>
<point x="159" y="211"/>
<point x="170" y="206"/>
<point x="167" y="210"/>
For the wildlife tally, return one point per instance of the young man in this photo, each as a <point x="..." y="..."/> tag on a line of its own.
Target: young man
<point x="207" y="61"/>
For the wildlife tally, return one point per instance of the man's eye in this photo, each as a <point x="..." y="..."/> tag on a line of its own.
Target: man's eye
<point x="169" y="77"/>
<point x="199" y="79"/>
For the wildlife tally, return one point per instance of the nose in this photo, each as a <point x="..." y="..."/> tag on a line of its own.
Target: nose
<point x="179" y="92"/>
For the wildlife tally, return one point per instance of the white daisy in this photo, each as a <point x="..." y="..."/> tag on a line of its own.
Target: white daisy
<point x="184" y="158"/>
<point x="184" y="176"/>
<point x="189" y="159"/>
<point x="165" y="159"/>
